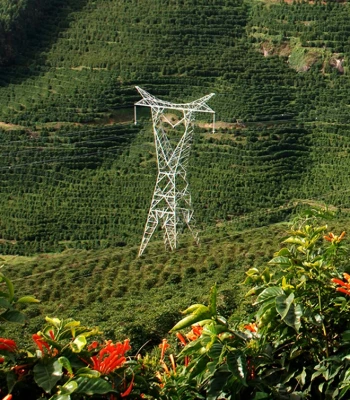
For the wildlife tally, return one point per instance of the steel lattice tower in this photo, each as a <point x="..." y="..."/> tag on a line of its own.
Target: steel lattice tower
<point x="171" y="202"/>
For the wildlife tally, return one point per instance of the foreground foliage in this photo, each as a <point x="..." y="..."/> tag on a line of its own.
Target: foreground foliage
<point x="293" y="345"/>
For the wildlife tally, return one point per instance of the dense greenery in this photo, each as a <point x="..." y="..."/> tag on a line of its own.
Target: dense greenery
<point x="77" y="175"/>
<point x="66" y="111"/>
<point x="292" y="343"/>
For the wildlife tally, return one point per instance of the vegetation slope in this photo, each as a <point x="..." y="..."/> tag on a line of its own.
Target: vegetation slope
<point x="77" y="174"/>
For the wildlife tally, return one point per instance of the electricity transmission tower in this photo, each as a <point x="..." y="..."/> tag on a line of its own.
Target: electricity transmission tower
<point x="171" y="202"/>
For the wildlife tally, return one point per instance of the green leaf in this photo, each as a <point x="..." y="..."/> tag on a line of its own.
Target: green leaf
<point x="60" y="397"/>
<point x="53" y="321"/>
<point x="47" y="374"/>
<point x="252" y="272"/>
<point x="4" y="303"/>
<point x="215" y="350"/>
<point x="198" y="366"/>
<point x="284" y="252"/>
<point x="269" y="293"/>
<point x="11" y="380"/>
<point x="295" y="240"/>
<point x="13" y="316"/>
<point x="10" y="287"/>
<point x="283" y="304"/>
<point x="200" y="314"/>
<point x="28" y="299"/>
<point x="212" y="300"/>
<point x="78" y="344"/>
<point x="237" y="363"/>
<point x="87" y="372"/>
<point x="280" y="260"/>
<point x="193" y="308"/>
<point x="66" y="364"/>
<point x="69" y="387"/>
<point x="91" y="386"/>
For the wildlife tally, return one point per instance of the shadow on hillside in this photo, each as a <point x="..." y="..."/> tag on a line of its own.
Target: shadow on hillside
<point x="31" y="56"/>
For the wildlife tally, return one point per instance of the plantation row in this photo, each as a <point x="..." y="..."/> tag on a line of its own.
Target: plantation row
<point x="93" y="188"/>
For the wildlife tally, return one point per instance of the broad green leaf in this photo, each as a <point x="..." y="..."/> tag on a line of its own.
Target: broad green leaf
<point x="295" y="240"/>
<point x="28" y="299"/>
<point x="53" y="321"/>
<point x="66" y="364"/>
<point x="252" y="272"/>
<point x="215" y="350"/>
<point x="47" y="374"/>
<point x="199" y="315"/>
<point x="4" y="303"/>
<point x="283" y="304"/>
<point x="72" y="325"/>
<point x="60" y="397"/>
<point x="293" y="316"/>
<point x="78" y="344"/>
<point x="13" y="316"/>
<point x="193" y="308"/>
<point x="212" y="300"/>
<point x="198" y="366"/>
<point x="217" y="382"/>
<point x="266" y="308"/>
<point x="87" y="372"/>
<point x="280" y="260"/>
<point x="11" y="380"/>
<point x="237" y="363"/>
<point x="269" y="293"/>
<point x="284" y="252"/>
<point x="69" y="387"/>
<point x="91" y="386"/>
<point x="302" y="377"/>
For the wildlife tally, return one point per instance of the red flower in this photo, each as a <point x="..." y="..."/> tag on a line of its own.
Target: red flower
<point x="181" y="338"/>
<point x="195" y="332"/>
<point x="110" y="357"/>
<point x="93" y="345"/>
<point x="345" y="285"/>
<point x="251" y="327"/>
<point x="334" y="238"/>
<point x="129" y="389"/>
<point x="8" y="344"/>
<point x="163" y="346"/>
<point x="40" y="342"/>
<point x="7" y="397"/>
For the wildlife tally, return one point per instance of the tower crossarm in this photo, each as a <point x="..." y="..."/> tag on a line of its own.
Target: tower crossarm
<point x="198" y="105"/>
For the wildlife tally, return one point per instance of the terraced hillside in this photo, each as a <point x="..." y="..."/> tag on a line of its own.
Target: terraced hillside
<point x="76" y="172"/>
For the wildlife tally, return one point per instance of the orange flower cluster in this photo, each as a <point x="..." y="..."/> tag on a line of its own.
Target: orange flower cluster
<point x="8" y="344"/>
<point x="110" y="357"/>
<point x="344" y="286"/>
<point x="334" y="238"/>
<point x="251" y="327"/>
<point x="195" y="332"/>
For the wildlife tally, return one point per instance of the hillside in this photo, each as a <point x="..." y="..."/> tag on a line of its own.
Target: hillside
<point x="76" y="173"/>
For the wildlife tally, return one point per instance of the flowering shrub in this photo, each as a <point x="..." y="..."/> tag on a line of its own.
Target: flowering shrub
<point x="294" y="345"/>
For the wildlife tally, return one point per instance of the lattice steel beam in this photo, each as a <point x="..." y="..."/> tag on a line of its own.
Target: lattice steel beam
<point x="171" y="202"/>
